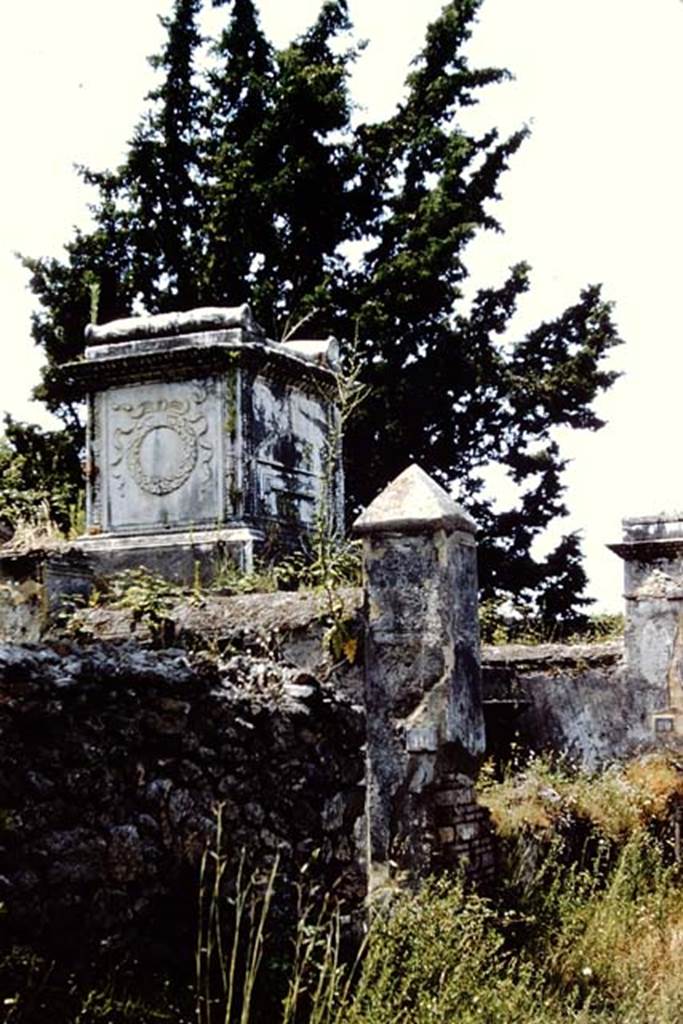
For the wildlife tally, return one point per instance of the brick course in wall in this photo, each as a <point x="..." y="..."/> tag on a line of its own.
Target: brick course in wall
<point x="463" y="829"/>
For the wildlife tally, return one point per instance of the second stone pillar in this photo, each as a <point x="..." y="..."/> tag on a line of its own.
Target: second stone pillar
<point x="423" y="697"/>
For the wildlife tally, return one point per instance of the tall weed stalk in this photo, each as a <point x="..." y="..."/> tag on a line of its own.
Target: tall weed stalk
<point x="233" y="938"/>
<point x="226" y="976"/>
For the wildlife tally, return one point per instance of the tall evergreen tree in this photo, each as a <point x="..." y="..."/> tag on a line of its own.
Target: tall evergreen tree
<point x="279" y="137"/>
<point x="240" y="157"/>
<point x="250" y="183"/>
<point x="159" y="184"/>
<point x="446" y="391"/>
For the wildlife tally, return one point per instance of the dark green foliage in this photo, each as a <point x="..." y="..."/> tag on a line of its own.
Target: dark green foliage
<point x="36" y="990"/>
<point x="40" y="473"/>
<point x="158" y="184"/>
<point x="249" y="180"/>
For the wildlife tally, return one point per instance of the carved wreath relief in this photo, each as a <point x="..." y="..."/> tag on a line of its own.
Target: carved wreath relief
<point x="163" y="432"/>
<point x="163" y="444"/>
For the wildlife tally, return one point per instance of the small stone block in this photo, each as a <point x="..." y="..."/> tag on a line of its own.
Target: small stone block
<point x="467" y="831"/>
<point x="422" y="738"/>
<point x="446" y="835"/>
<point x="446" y="798"/>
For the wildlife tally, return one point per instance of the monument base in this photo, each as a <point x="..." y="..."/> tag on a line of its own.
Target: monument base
<point x="39" y="584"/>
<point x="185" y="557"/>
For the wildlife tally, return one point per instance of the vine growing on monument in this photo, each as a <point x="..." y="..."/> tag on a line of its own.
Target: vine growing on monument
<point x="251" y="178"/>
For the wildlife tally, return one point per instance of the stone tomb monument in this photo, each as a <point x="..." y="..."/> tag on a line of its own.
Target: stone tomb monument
<point x="204" y="437"/>
<point x="652" y="549"/>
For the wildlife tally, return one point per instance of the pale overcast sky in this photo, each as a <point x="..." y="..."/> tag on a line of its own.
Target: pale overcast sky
<point x="595" y="195"/>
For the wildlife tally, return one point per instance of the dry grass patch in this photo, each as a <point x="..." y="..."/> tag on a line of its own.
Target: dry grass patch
<point x="616" y="802"/>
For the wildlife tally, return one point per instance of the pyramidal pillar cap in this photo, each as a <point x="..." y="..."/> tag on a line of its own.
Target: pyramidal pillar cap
<point x="413" y="503"/>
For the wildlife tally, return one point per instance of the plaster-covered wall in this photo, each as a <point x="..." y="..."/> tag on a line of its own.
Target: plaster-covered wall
<point x="570" y="698"/>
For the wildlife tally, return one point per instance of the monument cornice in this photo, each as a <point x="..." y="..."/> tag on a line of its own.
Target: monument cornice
<point x="183" y="356"/>
<point x="649" y="550"/>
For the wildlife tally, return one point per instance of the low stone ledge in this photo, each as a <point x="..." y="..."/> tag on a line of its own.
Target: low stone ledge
<point x="575" y="699"/>
<point x="553" y="655"/>
<point x="291" y="625"/>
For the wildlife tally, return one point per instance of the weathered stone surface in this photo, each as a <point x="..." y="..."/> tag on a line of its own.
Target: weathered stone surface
<point x="562" y="697"/>
<point x="652" y="550"/>
<point x="574" y="699"/>
<point x="162" y="325"/>
<point x="190" y="558"/>
<point x="289" y="626"/>
<point x="112" y="760"/>
<point x="33" y="586"/>
<point x="413" y="501"/>
<point x="22" y="612"/>
<point x="422" y="695"/>
<point x="197" y="424"/>
<point x="324" y="352"/>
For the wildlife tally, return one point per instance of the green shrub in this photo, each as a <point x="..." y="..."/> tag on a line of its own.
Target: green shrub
<point x="40" y="470"/>
<point x="148" y="596"/>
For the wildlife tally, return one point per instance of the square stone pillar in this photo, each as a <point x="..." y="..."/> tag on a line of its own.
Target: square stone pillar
<point x="652" y="550"/>
<point x="425" y="725"/>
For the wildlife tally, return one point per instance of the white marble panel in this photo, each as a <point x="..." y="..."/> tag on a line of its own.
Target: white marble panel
<point x="162" y="455"/>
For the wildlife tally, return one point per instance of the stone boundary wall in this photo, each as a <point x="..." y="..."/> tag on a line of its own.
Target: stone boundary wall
<point x="575" y="699"/>
<point x="112" y="760"/>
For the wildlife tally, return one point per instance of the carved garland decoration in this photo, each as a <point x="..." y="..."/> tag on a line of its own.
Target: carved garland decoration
<point x="156" y="417"/>
<point x="157" y="483"/>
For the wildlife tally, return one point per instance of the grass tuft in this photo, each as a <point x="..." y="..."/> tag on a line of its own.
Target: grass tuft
<point x="546" y="794"/>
